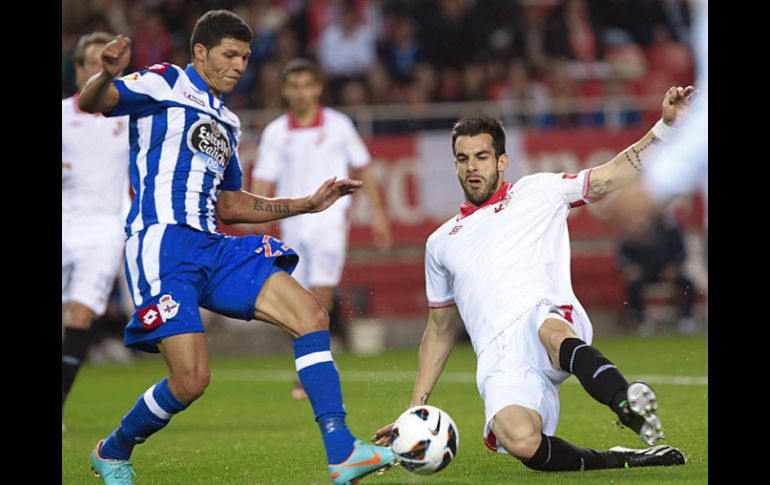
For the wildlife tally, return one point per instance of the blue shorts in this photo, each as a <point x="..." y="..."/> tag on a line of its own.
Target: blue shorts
<point x="172" y="270"/>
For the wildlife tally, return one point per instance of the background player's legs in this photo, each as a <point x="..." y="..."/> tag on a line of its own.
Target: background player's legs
<point x="189" y="375"/>
<point x="76" y="319"/>
<point x="284" y="302"/>
<point x="520" y="431"/>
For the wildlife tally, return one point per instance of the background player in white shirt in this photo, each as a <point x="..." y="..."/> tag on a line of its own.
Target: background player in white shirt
<point x="94" y="198"/>
<point x="299" y="149"/>
<point x="502" y="266"/>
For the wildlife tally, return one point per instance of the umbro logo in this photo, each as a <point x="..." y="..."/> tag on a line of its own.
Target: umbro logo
<point x="455" y="229"/>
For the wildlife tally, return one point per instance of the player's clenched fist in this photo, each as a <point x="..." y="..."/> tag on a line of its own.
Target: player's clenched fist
<point x="675" y="103"/>
<point x="116" y="55"/>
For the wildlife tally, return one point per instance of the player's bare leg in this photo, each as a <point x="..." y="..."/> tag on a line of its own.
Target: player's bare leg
<point x="520" y="431"/>
<point x="284" y="302"/>
<point x="635" y="404"/>
<point x="186" y="356"/>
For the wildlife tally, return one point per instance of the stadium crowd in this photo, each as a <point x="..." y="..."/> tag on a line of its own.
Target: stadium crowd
<point x="538" y="54"/>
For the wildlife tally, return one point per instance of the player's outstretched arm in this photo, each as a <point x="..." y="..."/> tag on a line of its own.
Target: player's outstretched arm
<point x="437" y="342"/>
<point x="99" y="95"/>
<point x="626" y="167"/>
<point x="239" y="206"/>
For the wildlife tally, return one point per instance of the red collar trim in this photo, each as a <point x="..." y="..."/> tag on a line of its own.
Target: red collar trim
<point x="467" y="209"/>
<point x="318" y="121"/>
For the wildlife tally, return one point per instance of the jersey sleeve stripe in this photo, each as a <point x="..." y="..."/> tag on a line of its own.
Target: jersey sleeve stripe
<point x="586" y="180"/>
<point x="442" y="304"/>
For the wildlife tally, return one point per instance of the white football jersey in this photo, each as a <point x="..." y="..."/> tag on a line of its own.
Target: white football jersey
<point x="94" y="155"/>
<point x="497" y="261"/>
<point x="300" y="159"/>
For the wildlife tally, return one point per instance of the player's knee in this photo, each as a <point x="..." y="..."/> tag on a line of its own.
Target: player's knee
<point x="193" y="383"/>
<point x="521" y="442"/>
<point x="316" y="318"/>
<point x="552" y="338"/>
<point x="77" y="316"/>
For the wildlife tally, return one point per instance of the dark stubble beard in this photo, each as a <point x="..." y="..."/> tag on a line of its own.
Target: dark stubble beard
<point x="484" y="195"/>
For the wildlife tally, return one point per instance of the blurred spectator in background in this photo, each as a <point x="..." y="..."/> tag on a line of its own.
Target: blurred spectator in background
<point x="151" y="41"/>
<point x="474" y="82"/>
<point x="379" y="83"/>
<point x="528" y="99"/>
<point x="453" y="35"/>
<point x="618" y="110"/>
<point x="354" y="93"/>
<point x="402" y="51"/>
<point x="573" y="32"/>
<point x="268" y="89"/>
<point x="347" y="49"/>
<point x="655" y="253"/>
<point x="431" y="51"/>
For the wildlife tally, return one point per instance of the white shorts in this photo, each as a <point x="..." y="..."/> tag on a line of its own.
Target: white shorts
<point x="89" y="267"/>
<point x="515" y="368"/>
<point x="321" y="247"/>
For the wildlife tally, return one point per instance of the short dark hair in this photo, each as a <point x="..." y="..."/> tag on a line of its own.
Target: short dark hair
<point x="87" y="41"/>
<point x="300" y="64"/>
<point x="215" y="25"/>
<point x="478" y="124"/>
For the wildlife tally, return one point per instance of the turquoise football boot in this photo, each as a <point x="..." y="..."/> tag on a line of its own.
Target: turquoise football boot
<point x="113" y="472"/>
<point x="364" y="459"/>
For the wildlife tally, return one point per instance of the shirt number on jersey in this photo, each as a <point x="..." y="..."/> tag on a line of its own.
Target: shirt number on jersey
<point x="267" y="247"/>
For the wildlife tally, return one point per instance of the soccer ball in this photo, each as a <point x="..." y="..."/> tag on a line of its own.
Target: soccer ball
<point x="424" y="439"/>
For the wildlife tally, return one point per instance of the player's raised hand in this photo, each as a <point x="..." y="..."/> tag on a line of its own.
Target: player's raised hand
<point x="116" y="55"/>
<point x="383" y="436"/>
<point x="331" y="190"/>
<point x="676" y="103"/>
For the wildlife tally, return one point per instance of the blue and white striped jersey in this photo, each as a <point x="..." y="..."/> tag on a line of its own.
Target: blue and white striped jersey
<point x="183" y="147"/>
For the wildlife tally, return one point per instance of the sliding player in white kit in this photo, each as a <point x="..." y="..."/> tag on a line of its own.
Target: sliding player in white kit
<point x="502" y="266"/>
<point x="94" y="200"/>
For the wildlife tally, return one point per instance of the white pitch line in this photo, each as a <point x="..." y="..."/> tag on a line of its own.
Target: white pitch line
<point x="404" y="376"/>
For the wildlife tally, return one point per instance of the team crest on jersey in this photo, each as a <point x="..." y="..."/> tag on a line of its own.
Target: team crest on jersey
<point x="503" y="203"/>
<point x="211" y="143"/>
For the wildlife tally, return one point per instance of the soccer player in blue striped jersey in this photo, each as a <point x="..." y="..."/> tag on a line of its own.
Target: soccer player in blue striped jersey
<point x="185" y="172"/>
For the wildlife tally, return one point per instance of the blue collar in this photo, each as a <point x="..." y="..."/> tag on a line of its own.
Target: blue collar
<point x="196" y="78"/>
<point x="199" y="83"/>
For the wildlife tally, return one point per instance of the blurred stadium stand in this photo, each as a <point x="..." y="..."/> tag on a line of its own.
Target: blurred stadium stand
<point x="574" y="81"/>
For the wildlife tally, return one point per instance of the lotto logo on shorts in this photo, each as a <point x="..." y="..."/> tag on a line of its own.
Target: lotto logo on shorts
<point x="150" y="317"/>
<point x="155" y="315"/>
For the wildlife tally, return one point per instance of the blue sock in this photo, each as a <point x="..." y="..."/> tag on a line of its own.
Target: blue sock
<point x="151" y="412"/>
<point x="321" y="381"/>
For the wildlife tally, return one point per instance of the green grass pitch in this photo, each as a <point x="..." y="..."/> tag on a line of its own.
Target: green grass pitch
<point x="246" y="429"/>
